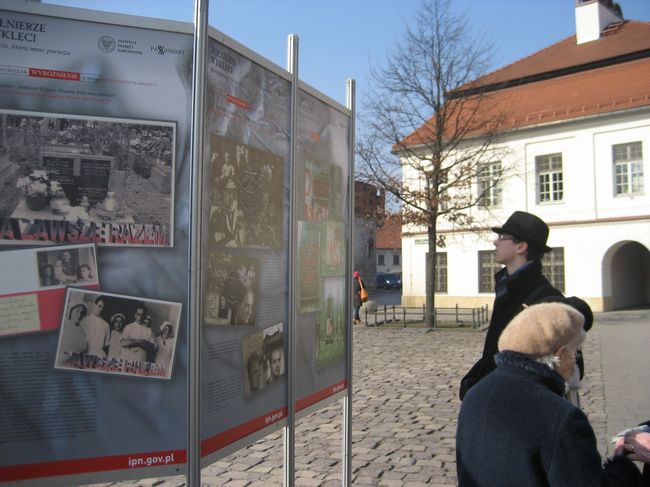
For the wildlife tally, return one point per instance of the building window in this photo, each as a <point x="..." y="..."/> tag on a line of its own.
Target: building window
<point x="395" y="259"/>
<point x="441" y="272"/>
<point x="487" y="267"/>
<point x="553" y="267"/>
<point x="628" y="168"/>
<point x="380" y="259"/>
<point x="550" y="184"/>
<point x="489" y="185"/>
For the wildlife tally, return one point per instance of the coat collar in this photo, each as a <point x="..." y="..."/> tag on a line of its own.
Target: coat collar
<point x="523" y="363"/>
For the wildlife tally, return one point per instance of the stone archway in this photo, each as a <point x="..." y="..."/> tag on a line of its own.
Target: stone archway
<point x="626" y="275"/>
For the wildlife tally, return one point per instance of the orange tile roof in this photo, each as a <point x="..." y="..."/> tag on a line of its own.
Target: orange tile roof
<point x="605" y="90"/>
<point x="626" y="39"/>
<point x="566" y="81"/>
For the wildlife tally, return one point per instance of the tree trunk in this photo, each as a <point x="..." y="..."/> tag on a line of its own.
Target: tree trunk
<point x="430" y="298"/>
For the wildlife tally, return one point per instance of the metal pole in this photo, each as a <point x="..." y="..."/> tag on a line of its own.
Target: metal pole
<point x="290" y="428"/>
<point x="346" y="478"/>
<point x="195" y="247"/>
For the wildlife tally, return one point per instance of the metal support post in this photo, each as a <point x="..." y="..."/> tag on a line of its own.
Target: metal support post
<point x="290" y="428"/>
<point x="196" y="239"/>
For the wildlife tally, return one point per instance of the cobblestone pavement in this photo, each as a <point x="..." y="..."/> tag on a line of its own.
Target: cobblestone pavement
<point x="404" y="417"/>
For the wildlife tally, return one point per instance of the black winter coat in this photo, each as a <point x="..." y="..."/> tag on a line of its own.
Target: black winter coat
<point x="515" y="429"/>
<point x="356" y="296"/>
<point x="524" y="287"/>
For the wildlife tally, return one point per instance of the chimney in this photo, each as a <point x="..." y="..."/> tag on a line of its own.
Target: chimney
<point x="592" y="16"/>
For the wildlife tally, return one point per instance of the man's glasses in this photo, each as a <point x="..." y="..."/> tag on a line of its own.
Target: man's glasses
<point x="505" y="237"/>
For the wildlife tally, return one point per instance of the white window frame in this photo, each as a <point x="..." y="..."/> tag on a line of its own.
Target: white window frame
<point x="487" y="267"/>
<point x="550" y="178"/>
<point x="489" y="185"/>
<point x="440" y="284"/>
<point x="627" y="162"/>
<point x="553" y="268"/>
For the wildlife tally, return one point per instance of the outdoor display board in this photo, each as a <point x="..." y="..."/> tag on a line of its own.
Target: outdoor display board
<point x="245" y="248"/>
<point x="94" y="162"/>
<point x="323" y="317"/>
<point x="95" y="225"/>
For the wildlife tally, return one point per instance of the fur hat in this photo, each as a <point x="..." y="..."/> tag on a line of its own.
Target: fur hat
<point x="541" y="329"/>
<point x="576" y="303"/>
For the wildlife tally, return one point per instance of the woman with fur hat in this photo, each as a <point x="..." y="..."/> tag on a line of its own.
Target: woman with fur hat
<point x="515" y="428"/>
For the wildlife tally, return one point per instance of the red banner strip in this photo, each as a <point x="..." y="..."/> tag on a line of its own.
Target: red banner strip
<point x="88" y="465"/>
<point x="320" y="395"/>
<point x="54" y="73"/>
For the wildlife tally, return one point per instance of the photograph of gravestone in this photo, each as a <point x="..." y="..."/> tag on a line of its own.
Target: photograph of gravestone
<point x="68" y="179"/>
<point x="246" y="187"/>
<point x="333" y="248"/>
<point x="330" y="333"/>
<point x="309" y="269"/>
<point x="231" y="296"/>
<point x="322" y="191"/>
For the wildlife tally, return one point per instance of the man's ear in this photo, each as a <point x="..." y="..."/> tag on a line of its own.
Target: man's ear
<point x="522" y="248"/>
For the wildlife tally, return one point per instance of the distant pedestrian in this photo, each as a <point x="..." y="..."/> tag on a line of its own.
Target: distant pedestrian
<point x="356" y="296"/>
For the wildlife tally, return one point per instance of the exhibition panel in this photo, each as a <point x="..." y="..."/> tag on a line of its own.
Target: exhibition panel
<point x="101" y="291"/>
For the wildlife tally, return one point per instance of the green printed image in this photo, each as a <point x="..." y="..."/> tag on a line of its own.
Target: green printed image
<point x="330" y="329"/>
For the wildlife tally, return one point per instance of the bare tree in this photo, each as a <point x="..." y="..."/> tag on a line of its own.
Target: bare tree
<point x="429" y="128"/>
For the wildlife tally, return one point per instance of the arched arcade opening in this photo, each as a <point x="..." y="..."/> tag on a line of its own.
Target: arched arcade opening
<point x="626" y="275"/>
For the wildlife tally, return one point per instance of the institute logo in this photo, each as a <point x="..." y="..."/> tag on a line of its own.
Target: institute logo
<point x="161" y="50"/>
<point x="106" y="44"/>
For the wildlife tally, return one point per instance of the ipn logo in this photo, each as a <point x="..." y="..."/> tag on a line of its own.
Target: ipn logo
<point x="106" y="44"/>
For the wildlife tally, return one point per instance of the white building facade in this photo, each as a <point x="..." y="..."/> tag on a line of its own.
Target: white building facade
<point x="581" y="162"/>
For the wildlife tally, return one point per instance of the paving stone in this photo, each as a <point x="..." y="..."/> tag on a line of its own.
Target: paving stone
<point x="406" y="403"/>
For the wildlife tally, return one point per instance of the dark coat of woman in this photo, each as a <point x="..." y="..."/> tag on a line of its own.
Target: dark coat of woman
<point x="356" y="297"/>
<point x="526" y="286"/>
<point x="515" y="429"/>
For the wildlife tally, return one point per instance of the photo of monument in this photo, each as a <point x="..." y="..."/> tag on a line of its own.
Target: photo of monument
<point x="66" y="179"/>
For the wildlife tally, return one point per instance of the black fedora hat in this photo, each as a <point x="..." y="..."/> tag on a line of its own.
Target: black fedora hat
<point x="526" y="227"/>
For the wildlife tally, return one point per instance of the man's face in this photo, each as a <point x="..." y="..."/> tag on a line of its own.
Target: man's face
<point x="246" y="309"/>
<point x="254" y="375"/>
<point x="99" y="307"/>
<point x="505" y="249"/>
<point x="276" y="362"/>
<point x="139" y="313"/>
<point x="66" y="257"/>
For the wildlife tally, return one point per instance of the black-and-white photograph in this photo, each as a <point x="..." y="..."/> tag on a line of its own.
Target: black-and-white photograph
<point x="115" y="334"/>
<point x="273" y="349"/>
<point x="66" y="178"/>
<point x="263" y="358"/>
<point x="252" y="352"/>
<point x="246" y="196"/>
<point x="67" y="266"/>
<point x="322" y="191"/>
<point x="231" y="296"/>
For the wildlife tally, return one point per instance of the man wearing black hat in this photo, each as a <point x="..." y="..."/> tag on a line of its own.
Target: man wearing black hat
<point x="519" y="246"/>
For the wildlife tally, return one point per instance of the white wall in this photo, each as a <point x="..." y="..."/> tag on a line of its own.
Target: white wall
<point x="587" y="223"/>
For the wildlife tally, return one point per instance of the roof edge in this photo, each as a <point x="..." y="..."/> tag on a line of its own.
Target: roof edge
<point x="601" y="63"/>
